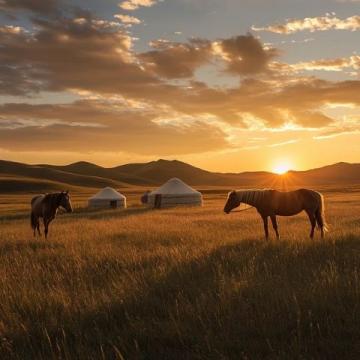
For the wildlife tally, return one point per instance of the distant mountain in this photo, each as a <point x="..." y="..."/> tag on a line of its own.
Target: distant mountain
<point x="24" y="174"/>
<point x="11" y="184"/>
<point x="89" y="169"/>
<point x="84" y="174"/>
<point x="161" y="170"/>
<point x="339" y="173"/>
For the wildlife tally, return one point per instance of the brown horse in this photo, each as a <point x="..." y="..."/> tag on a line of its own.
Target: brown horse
<point x="273" y="202"/>
<point x="46" y="207"/>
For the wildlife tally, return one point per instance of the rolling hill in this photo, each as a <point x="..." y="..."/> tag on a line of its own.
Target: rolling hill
<point x="52" y="179"/>
<point x="152" y="173"/>
<point x="89" y="169"/>
<point x="22" y="177"/>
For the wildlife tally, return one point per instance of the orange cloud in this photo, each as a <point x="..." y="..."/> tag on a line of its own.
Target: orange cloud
<point x="135" y="4"/>
<point x="72" y="127"/>
<point x="329" y="64"/>
<point x="127" y="19"/>
<point x="320" y="23"/>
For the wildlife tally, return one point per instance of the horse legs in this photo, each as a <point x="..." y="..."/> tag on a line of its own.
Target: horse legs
<point x="313" y="223"/>
<point x="266" y="228"/>
<point x="320" y="221"/>
<point x="38" y="228"/>
<point x="46" y="225"/>
<point x="34" y="221"/>
<point x="275" y="225"/>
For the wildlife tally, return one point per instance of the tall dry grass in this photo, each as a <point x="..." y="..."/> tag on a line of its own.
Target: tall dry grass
<point x="185" y="283"/>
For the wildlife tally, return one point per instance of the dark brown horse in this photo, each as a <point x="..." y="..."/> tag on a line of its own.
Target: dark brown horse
<point x="46" y="207"/>
<point x="273" y="202"/>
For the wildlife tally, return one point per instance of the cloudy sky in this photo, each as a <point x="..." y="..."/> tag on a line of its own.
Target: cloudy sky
<point x="227" y="85"/>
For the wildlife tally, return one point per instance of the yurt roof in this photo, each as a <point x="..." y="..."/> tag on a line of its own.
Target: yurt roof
<point x="108" y="193"/>
<point x="175" y="186"/>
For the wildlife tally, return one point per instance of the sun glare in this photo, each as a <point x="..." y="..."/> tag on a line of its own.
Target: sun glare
<point x="282" y="168"/>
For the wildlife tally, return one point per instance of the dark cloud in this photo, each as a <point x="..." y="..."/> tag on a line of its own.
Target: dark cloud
<point x="96" y="55"/>
<point x="37" y="6"/>
<point x="79" y="53"/>
<point x="177" y="60"/>
<point x="243" y="55"/>
<point x="246" y="55"/>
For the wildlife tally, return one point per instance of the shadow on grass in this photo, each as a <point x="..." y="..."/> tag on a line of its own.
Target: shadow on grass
<point x="83" y="213"/>
<point x="17" y="216"/>
<point x="95" y="214"/>
<point x="33" y="245"/>
<point x="251" y="300"/>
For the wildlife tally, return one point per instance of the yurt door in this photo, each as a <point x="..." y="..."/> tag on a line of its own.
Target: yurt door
<point x="113" y="204"/>
<point x="157" y="204"/>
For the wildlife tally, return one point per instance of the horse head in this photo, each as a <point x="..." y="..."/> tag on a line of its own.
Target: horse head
<point x="65" y="201"/>
<point x="232" y="202"/>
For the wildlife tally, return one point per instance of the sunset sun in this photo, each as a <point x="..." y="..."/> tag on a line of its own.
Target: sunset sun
<point x="282" y="167"/>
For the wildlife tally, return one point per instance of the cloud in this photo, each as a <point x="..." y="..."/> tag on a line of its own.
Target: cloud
<point x="73" y="127"/>
<point x="11" y="30"/>
<point x="321" y="23"/>
<point x="6" y="124"/>
<point x="104" y="64"/>
<point x="271" y="103"/>
<point x="288" y="142"/>
<point x="335" y="133"/>
<point x="244" y="54"/>
<point x="331" y="64"/>
<point x="98" y="47"/>
<point x="314" y="119"/>
<point x="135" y="4"/>
<point x="37" y="6"/>
<point x="176" y="60"/>
<point x="338" y="64"/>
<point x="350" y="125"/>
<point x="127" y="19"/>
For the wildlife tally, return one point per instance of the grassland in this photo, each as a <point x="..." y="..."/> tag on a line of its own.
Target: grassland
<point x="185" y="283"/>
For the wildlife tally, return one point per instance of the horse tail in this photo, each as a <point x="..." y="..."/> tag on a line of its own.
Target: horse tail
<point x="33" y="220"/>
<point x="320" y="215"/>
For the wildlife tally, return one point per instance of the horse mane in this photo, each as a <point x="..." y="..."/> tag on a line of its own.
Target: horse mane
<point x="252" y="196"/>
<point x="52" y="199"/>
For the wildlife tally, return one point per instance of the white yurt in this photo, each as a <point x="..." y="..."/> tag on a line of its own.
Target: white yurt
<point x="173" y="193"/>
<point x="107" y="198"/>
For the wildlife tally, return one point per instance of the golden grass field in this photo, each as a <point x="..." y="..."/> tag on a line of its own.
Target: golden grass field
<point x="185" y="283"/>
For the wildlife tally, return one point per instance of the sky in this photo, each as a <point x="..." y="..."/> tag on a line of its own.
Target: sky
<point x="230" y="86"/>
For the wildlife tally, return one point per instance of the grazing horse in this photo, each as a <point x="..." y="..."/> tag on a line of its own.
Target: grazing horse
<point x="46" y="206"/>
<point x="273" y="202"/>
